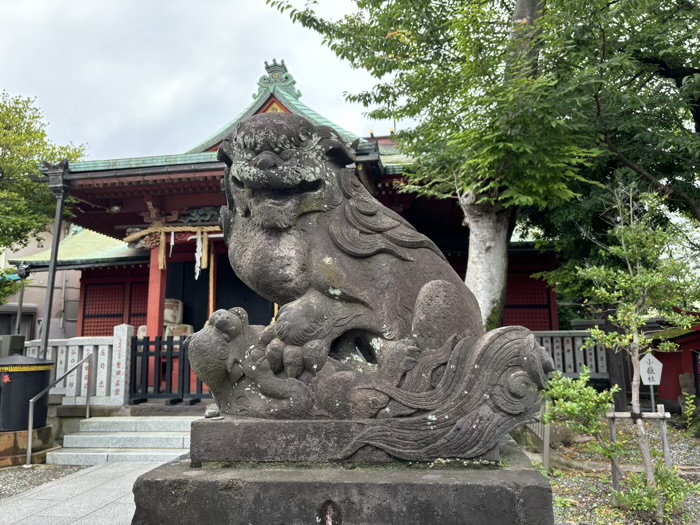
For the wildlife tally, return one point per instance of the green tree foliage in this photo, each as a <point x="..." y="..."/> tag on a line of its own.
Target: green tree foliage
<point x="8" y="285"/>
<point x="26" y="207"/>
<point x="487" y="125"/>
<point x="645" y="270"/>
<point x="633" y="71"/>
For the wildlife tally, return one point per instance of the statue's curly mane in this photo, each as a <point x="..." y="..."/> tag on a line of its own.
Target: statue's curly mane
<point x="367" y="228"/>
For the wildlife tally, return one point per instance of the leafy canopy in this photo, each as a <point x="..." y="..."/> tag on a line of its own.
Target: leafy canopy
<point x="492" y="126"/>
<point x="26" y="207"/>
<point x="634" y="67"/>
<point x="518" y="115"/>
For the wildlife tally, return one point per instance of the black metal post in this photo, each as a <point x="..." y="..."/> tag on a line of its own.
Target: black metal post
<point x="22" y="273"/>
<point x="60" y="191"/>
<point x="18" y="321"/>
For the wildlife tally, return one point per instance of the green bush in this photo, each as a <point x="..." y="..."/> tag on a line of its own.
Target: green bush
<point x="577" y="404"/>
<point x="638" y="497"/>
<point x="691" y="414"/>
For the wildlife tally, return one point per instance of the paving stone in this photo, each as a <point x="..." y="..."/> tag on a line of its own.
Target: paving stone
<point x="45" y="520"/>
<point x="14" y="509"/>
<point x="82" y="503"/>
<point x="113" y="514"/>
<point x="91" y="456"/>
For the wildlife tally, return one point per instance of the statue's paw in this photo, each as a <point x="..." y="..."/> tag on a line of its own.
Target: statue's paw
<point x="267" y="335"/>
<point x="255" y="365"/>
<point x="315" y="354"/>
<point x="275" y="355"/>
<point x="403" y="356"/>
<point x="300" y="322"/>
<point x="407" y="356"/>
<point x="293" y="359"/>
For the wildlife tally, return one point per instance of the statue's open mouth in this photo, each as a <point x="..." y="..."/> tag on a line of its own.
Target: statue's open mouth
<point x="278" y="193"/>
<point x="281" y="197"/>
<point x="276" y="207"/>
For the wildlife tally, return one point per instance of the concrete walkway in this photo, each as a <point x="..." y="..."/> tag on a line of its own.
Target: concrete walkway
<point x="99" y="495"/>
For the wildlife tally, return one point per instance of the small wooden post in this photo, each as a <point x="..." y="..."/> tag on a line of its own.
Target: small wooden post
<point x="546" y="438"/>
<point x="613" y="458"/>
<point x="664" y="436"/>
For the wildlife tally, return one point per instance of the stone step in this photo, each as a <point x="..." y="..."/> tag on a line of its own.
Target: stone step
<point x="138" y="424"/>
<point x="93" y="456"/>
<point x="21" y="459"/>
<point x="127" y="440"/>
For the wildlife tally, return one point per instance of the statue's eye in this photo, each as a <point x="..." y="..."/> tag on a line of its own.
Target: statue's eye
<point x="244" y="154"/>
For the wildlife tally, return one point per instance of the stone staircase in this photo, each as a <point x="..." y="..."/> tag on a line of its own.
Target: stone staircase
<point x="128" y="438"/>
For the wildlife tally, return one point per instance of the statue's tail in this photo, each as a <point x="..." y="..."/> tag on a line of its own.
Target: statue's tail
<point x="488" y="388"/>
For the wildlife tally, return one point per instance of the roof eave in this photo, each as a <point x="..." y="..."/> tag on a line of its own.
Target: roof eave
<point x="43" y="266"/>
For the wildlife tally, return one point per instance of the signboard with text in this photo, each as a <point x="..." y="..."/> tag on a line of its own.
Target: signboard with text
<point x="650" y="370"/>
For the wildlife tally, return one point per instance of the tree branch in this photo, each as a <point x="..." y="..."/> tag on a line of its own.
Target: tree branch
<point x="674" y="191"/>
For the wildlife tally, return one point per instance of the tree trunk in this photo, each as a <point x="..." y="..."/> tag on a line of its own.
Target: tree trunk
<point x="489" y="223"/>
<point x="487" y="266"/>
<point x="641" y="429"/>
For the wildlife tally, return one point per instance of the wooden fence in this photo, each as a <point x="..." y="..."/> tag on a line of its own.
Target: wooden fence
<point x="160" y="370"/>
<point x="569" y="358"/>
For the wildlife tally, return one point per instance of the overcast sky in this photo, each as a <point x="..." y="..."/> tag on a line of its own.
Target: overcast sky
<point x="148" y="77"/>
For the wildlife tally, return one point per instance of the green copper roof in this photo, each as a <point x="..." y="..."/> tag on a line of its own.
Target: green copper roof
<point x="392" y="159"/>
<point x="143" y="162"/>
<point x="84" y="247"/>
<point x="280" y="84"/>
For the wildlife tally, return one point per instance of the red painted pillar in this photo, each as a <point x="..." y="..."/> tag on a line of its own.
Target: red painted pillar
<point x="156" y="295"/>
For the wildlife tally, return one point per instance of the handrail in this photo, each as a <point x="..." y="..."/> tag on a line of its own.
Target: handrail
<point x="46" y="390"/>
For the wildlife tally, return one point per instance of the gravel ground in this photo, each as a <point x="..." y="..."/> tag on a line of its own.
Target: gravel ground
<point x="14" y="480"/>
<point x="685" y="450"/>
<point x="584" y="497"/>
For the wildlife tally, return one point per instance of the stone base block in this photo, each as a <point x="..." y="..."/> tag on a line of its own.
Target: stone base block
<point x="235" y="440"/>
<point x="390" y="494"/>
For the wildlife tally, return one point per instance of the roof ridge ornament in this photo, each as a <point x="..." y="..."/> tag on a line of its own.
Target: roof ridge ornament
<point x="277" y="79"/>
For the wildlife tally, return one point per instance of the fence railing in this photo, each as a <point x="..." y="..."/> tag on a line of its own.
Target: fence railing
<point x="160" y="370"/>
<point x="110" y="386"/>
<point x="565" y="349"/>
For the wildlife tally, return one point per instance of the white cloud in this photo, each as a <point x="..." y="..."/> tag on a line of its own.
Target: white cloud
<point x="148" y="77"/>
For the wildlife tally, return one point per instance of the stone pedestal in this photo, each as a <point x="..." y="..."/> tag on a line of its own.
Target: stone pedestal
<point x="455" y="493"/>
<point x="236" y="440"/>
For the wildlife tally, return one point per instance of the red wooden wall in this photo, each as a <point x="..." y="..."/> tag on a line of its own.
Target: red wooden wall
<point x="110" y="297"/>
<point x="529" y="302"/>
<point x="675" y="364"/>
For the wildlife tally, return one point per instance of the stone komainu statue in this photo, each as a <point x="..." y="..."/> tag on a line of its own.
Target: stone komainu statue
<point x="374" y="324"/>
